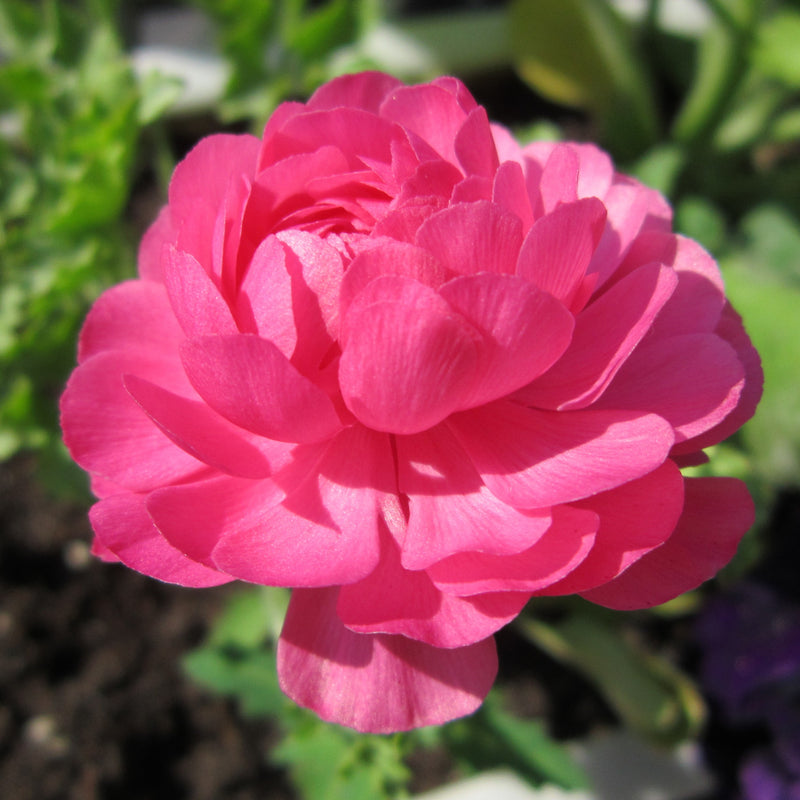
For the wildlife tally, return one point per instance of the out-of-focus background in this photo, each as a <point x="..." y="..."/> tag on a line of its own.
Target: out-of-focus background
<point x="116" y="687"/>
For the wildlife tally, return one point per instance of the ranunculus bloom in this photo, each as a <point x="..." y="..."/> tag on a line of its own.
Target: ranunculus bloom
<point x="391" y="359"/>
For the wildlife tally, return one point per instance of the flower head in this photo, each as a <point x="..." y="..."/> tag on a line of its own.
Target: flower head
<point x="391" y="359"/>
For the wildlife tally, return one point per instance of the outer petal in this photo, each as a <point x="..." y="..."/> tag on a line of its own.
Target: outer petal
<point x="159" y="234"/>
<point x="555" y="555"/>
<point x="210" y="438"/>
<point x="135" y="315"/>
<point x="717" y="512"/>
<point x="428" y="111"/>
<point x="525" y="330"/>
<point x="474" y="145"/>
<point x="533" y="459"/>
<point x="634" y="519"/>
<point x="326" y="531"/>
<point x="692" y="381"/>
<point x="450" y="510"/>
<point x="408" y="360"/>
<point x="376" y="683"/>
<point x="199" y="186"/>
<point x="365" y="90"/>
<point x="606" y="333"/>
<point x="264" y="301"/>
<point x="124" y="528"/>
<point x="473" y="237"/>
<point x="108" y="433"/>
<point x="250" y="382"/>
<point x="732" y="330"/>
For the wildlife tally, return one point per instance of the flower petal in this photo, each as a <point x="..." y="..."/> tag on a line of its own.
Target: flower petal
<point x="394" y="600"/>
<point x="326" y="530"/>
<point x="558" y="248"/>
<point x="635" y="518"/>
<point x="124" y="527"/>
<point x="250" y="382"/>
<point x="408" y="359"/>
<point x="562" y="548"/>
<point x="375" y="683"/>
<point x="717" y="512"/>
<point x="200" y="184"/>
<point x="692" y="381"/>
<point x="365" y="90"/>
<point x="534" y="459"/>
<point x="196" y="301"/>
<point x="525" y="330"/>
<point x="210" y="438"/>
<point x="135" y="315"/>
<point x="473" y="237"/>
<point x="108" y="433"/>
<point x="450" y="510"/>
<point x="606" y="332"/>
<point x="264" y="302"/>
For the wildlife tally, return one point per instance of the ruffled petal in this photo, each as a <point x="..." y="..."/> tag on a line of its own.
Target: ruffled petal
<point x="210" y="438"/>
<point x="108" y="433"/>
<point x="160" y="233"/>
<point x="397" y="601"/>
<point x="525" y="330"/>
<point x="534" y="459"/>
<point x="558" y="248"/>
<point x="326" y="531"/>
<point x="450" y="510"/>
<point x="474" y="145"/>
<point x="124" y="528"/>
<point x="562" y="548"/>
<point x="606" y="332"/>
<point x="635" y="518"/>
<point x="408" y="359"/>
<point x="371" y="682"/>
<point x="200" y="184"/>
<point x="717" y="512"/>
<point x="264" y="302"/>
<point x="366" y="90"/>
<point x="196" y="301"/>
<point x="250" y="382"/>
<point x="692" y="381"/>
<point x="473" y="237"/>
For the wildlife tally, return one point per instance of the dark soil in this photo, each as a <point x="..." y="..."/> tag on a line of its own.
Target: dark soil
<point x="93" y="704"/>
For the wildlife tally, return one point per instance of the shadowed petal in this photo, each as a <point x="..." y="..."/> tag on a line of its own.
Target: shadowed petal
<point x="124" y="528"/>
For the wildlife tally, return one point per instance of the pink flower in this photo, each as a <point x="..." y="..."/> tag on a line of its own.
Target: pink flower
<point x="420" y="374"/>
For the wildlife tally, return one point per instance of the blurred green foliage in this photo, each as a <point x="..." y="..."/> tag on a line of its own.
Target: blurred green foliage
<point x="332" y="763"/>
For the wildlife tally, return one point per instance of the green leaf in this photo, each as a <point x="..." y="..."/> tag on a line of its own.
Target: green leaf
<point x="776" y="53"/>
<point x="579" y="52"/>
<point x="494" y="738"/>
<point x="698" y="218"/>
<point x="330" y="763"/>
<point x="651" y="696"/>
<point x="251" y="618"/>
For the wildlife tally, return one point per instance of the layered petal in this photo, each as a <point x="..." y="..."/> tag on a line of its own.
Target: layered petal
<point x="716" y="514"/>
<point x="251" y="383"/>
<point x="450" y="509"/>
<point x="124" y="529"/>
<point x="375" y="683"/>
<point x="398" y="601"/>
<point x="408" y="360"/>
<point x="326" y="530"/>
<point x="557" y="553"/>
<point x="533" y="459"/>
